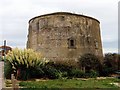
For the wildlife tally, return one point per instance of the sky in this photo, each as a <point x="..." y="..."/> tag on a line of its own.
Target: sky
<point x="15" y="14"/>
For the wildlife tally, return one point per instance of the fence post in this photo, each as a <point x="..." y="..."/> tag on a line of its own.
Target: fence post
<point x="15" y="85"/>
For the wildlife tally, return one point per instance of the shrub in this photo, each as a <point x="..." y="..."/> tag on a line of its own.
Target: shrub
<point x="25" y="62"/>
<point x="106" y="71"/>
<point x="61" y="69"/>
<point x="37" y="72"/>
<point x="8" y="70"/>
<point x="110" y="63"/>
<point x="89" y="62"/>
<point x="91" y="74"/>
<point x="64" y="74"/>
<point x="52" y="73"/>
<point x="76" y="73"/>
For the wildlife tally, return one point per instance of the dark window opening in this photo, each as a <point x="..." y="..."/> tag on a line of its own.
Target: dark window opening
<point x="71" y="43"/>
<point x="37" y="26"/>
<point x="88" y="40"/>
<point x="86" y="22"/>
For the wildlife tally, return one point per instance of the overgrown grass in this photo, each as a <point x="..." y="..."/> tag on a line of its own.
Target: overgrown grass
<point x="70" y="83"/>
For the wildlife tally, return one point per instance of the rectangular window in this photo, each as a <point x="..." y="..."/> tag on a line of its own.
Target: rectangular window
<point x="37" y="25"/>
<point x="71" y="43"/>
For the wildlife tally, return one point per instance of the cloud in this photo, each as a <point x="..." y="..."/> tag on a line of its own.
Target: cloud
<point x="109" y="50"/>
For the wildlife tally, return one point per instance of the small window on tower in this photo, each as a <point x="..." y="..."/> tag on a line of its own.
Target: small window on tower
<point x="71" y="43"/>
<point x="96" y="44"/>
<point x="37" y="26"/>
<point x="86" y="22"/>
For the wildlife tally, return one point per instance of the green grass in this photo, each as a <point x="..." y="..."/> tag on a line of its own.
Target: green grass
<point x="70" y="83"/>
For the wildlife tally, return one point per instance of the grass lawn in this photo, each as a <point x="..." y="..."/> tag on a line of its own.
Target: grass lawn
<point x="71" y="83"/>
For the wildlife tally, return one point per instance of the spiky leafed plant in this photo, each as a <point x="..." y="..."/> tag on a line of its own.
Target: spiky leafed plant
<point x="25" y="61"/>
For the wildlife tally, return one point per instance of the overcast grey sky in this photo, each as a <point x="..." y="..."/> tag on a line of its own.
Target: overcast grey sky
<point x="15" y="14"/>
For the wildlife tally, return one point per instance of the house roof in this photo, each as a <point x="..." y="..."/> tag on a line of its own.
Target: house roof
<point x="5" y="47"/>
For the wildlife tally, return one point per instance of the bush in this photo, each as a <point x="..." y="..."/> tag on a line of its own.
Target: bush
<point x="61" y="70"/>
<point x="76" y="73"/>
<point x="106" y="71"/>
<point x="90" y="62"/>
<point x="110" y="63"/>
<point x="64" y="74"/>
<point x="25" y="63"/>
<point x="8" y="70"/>
<point x="92" y="74"/>
<point x="37" y="72"/>
<point x="52" y="73"/>
<point x="28" y="64"/>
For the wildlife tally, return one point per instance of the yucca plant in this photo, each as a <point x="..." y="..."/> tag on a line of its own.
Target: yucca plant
<point x="25" y="62"/>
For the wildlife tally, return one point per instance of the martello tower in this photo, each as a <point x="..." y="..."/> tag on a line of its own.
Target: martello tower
<point x="63" y="36"/>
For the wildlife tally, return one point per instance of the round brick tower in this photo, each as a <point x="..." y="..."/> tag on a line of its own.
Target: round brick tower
<point x="64" y="36"/>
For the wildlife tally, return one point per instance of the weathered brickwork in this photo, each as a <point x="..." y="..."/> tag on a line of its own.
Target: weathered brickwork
<point x="64" y="36"/>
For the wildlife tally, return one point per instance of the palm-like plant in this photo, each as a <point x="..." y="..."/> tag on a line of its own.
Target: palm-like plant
<point x="25" y="60"/>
